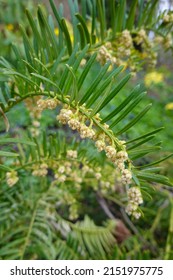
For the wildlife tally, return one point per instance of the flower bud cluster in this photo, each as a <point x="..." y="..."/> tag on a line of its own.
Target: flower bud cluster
<point x="102" y="142"/>
<point x="72" y="154"/>
<point x="111" y="153"/>
<point x="34" y="131"/>
<point x="62" y="172"/>
<point x="140" y="37"/>
<point x="68" y="167"/>
<point x="105" y="186"/>
<point x="100" y="145"/>
<point x="11" y="178"/>
<point x="126" y="39"/>
<point x="50" y="103"/>
<point x="145" y="48"/>
<point x="126" y="177"/>
<point x="61" y="169"/>
<point x="128" y="48"/>
<point x="104" y="55"/>
<point x="134" y="200"/>
<point x="71" y="173"/>
<point x="66" y="116"/>
<point x="83" y="62"/>
<point x="121" y="47"/>
<point x="167" y="41"/>
<point x="60" y="178"/>
<point x="121" y="158"/>
<point x="124" y="45"/>
<point x="34" y="113"/>
<point x="74" y="124"/>
<point x="86" y="132"/>
<point x="118" y="158"/>
<point x="98" y="175"/>
<point x="65" y="172"/>
<point x="76" y="177"/>
<point x="40" y="170"/>
<point x="86" y="169"/>
<point x="168" y="18"/>
<point x="73" y="212"/>
<point x="35" y="128"/>
<point x="69" y="200"/>
<point x="95" y="172"/>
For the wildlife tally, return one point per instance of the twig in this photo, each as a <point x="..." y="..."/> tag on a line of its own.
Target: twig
<point x="130" y="224"/>
<point x="105" y="207"/>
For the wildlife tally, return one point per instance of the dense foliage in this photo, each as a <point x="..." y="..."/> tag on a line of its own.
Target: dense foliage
<point x="80" y="161"/>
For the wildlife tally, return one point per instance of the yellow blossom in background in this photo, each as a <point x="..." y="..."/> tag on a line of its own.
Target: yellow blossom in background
<point x="10" y="27"/>
<point x="70" y="30"/>
<point x="169" y="106"/>
<point x="56" y="31"/>
<point x="153" y="78"/>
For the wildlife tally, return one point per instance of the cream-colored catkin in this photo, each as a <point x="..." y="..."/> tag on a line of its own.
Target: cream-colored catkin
<point x="126" y="176"/>
<point x="86" y="132"/>
<point x="72" y="154"/>
<point x="60" y="178"/>
<point x="111" y="152"/>
<point x="134" y="200"/>
<point x="100" y="145"/>
<point x="12" y="178"/>
<point x="141" y="36"/>
<point x="50" y="103"/>
<point x="76" y="122"/>
<point x="104" y="55"/>
<point x="40" y="170"/>
<point x="64" y="116"/>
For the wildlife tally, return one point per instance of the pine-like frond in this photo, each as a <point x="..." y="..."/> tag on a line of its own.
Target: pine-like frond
<point x="70" y="88"/>
<point x="28" y="231"/>
<point x="36" y="213"/>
